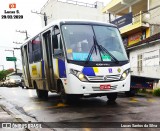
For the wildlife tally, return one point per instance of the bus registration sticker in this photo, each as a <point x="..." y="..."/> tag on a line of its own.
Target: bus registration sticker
<point x="106" y="58"/>
<point x="105" y="87"/>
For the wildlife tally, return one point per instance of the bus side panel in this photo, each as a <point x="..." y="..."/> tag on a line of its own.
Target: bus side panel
<point x="37" y="71"/>
<point x="59" y="71"/>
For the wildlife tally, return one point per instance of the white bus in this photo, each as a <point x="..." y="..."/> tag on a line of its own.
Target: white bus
<point x="76" y="58"/>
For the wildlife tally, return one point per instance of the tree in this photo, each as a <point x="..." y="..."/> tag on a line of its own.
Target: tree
<point x="4" y="73"/>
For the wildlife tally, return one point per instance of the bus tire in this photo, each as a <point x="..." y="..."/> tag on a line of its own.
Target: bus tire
<point x="66" y="98"/>
<point x="42" y="93"/>
<point x="112" y="96"/>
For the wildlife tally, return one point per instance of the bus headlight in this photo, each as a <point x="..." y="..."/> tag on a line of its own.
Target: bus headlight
<point x="78" y="74"/>
<point x="125" y="74"/>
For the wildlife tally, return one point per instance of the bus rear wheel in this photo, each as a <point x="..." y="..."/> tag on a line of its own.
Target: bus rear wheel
<point x="112" y="96"/>
<point x="42" y="93"/>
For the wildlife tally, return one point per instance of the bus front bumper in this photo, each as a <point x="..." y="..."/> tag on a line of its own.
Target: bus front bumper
<point x="75" y="86"/>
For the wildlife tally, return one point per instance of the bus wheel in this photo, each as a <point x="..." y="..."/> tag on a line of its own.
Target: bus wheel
<point x="112" y="96"/>
<point x="64" y="97"/>
<point x="42" y="93"/>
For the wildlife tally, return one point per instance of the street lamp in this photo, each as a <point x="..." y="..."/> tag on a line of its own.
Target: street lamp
<point x="2" y="66"/>
<point x="14" y="61"/>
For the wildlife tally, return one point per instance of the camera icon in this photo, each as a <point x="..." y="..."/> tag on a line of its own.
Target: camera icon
<point x="13" y="5"/>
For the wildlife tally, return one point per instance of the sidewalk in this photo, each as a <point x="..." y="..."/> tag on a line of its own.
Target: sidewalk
<point x="7" y="117"/>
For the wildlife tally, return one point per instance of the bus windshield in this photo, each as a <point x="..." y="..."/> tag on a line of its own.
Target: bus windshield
<point x="80" y="40"/>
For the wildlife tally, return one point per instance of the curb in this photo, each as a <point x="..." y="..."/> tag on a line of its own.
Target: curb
<point x="16" y="119"/>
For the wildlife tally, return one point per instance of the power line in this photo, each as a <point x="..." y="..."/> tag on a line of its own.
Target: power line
<point x="17" y="42"/>
<point x="16" y="48"/>
<point x="23" y="32"/>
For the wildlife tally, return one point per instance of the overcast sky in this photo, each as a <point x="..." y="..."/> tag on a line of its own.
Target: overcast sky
<point x="30" y="22"/>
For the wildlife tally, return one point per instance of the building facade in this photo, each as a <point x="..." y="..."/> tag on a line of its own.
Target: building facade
<point x="140" y="33"/>
<point x="68" y="9"/>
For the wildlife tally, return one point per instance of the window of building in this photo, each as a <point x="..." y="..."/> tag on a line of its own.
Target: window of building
<point x="140" y="63"/>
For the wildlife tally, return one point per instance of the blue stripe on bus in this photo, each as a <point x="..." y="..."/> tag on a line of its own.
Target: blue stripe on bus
<point x="61" y="68"/>
<point x="43" y="74"/>
<point x="88" y="71"/>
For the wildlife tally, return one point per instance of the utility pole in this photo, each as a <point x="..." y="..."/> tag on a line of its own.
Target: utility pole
<point x="44" y="14"/>
<point x="14" y="61"/>
<point x="23" y="32"/>
<point x="109" y="17"/>
<point x="2" y="66"/>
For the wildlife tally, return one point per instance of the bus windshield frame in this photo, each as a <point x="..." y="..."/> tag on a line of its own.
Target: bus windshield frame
<point x="80" y="38"/>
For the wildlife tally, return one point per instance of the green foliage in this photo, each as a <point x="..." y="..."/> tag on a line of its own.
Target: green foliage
<point x="4" y="73"/>
<point x="156" y="92"/>
<point x="147" y="91"/>
<point x="142" y="91"/>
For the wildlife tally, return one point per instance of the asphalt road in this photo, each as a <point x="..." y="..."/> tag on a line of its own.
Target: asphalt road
<point x="141" y="108"/>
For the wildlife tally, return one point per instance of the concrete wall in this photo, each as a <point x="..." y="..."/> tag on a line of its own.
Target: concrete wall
<point x="62" y="10"/>
<point x="150" y="60"/>
<point x="154" y="19"/>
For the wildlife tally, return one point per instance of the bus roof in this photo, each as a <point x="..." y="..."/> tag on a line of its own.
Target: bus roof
<point x="76" y="21"/>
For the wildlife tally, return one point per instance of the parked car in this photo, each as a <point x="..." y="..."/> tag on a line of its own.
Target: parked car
<point x="1" y="83"/>
<point x="13" y="80"/>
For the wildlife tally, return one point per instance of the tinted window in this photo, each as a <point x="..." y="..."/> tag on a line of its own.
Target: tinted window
<point x="36" y="49"/>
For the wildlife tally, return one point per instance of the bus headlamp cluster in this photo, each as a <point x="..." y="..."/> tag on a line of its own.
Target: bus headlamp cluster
<point x="125" y="74"/>
<point x="78" y="74"/>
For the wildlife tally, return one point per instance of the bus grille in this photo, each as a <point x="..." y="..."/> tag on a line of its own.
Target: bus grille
<point x="107" y="78"/>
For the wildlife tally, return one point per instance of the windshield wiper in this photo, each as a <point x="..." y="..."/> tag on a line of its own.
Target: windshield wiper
<point x="101" y="49"/>
<point x="91" y="51"/>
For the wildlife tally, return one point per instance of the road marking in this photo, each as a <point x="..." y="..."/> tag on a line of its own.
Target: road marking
<point x="87" y="129"/>
<point x="151" y="100"/>
<point x="132" y="99"/>
<point x="48" y="107"/>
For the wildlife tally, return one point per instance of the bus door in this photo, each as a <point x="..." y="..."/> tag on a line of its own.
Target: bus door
<point x="48" y="61"/>
<point x="27" y="76"/>
<point x="58" y="55"/>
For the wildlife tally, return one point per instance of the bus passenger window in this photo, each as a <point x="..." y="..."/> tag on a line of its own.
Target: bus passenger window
<point x="57" y="43"/>
<point x="30" y="52"/>
<point x="37" y="49"/>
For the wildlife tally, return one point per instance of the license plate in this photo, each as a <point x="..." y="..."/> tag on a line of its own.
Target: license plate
<point x="105" y="87"/>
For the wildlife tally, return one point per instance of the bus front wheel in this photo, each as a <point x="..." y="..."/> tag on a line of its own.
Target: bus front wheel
<point x="66" y="98"/>
<point x="112" y="96"/>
